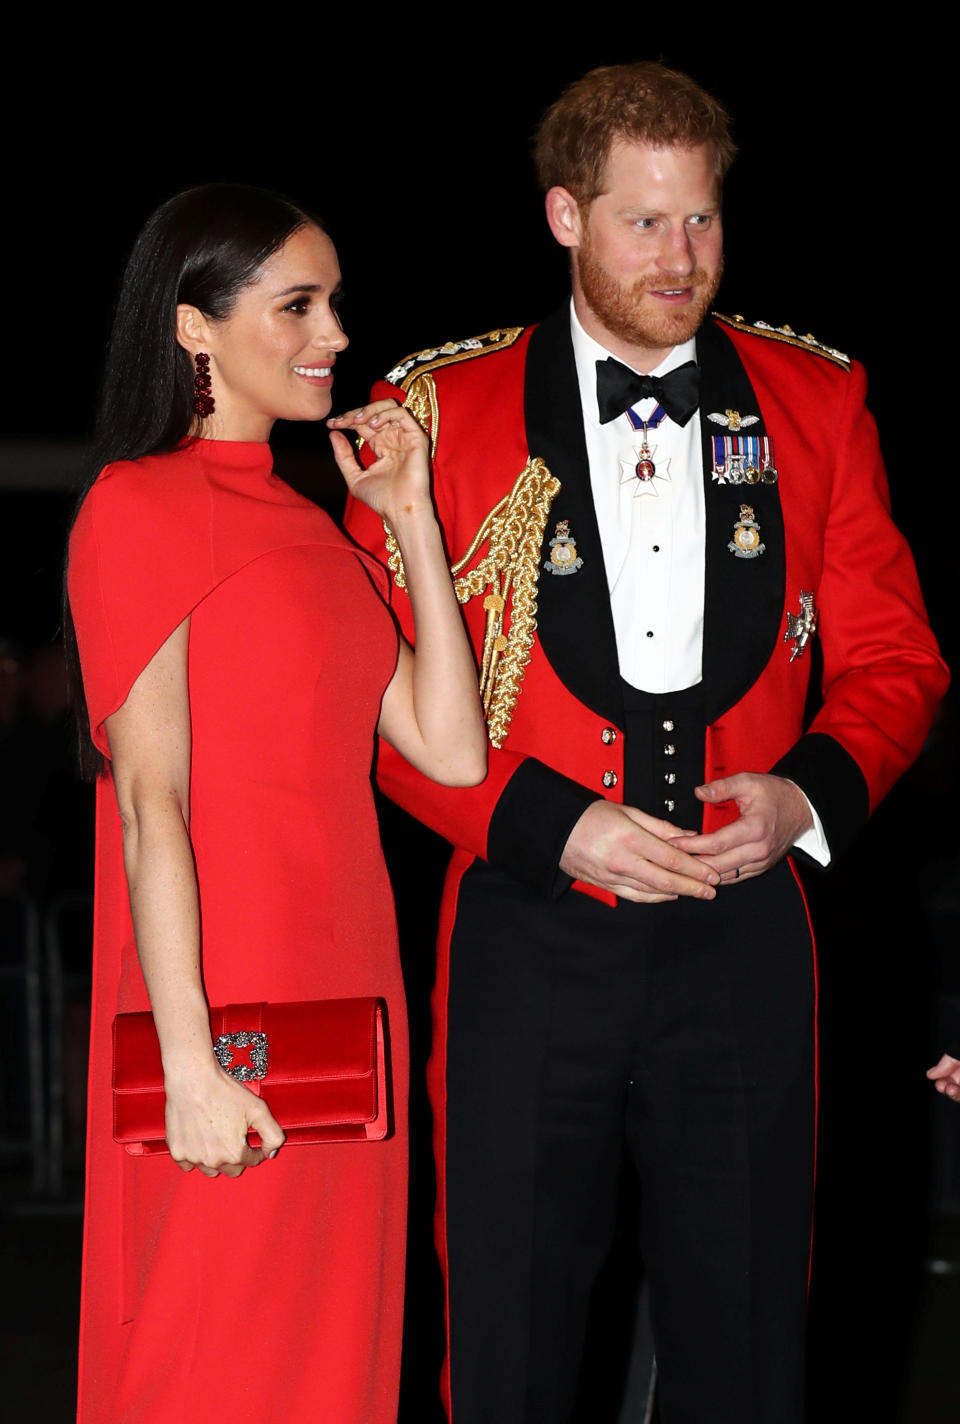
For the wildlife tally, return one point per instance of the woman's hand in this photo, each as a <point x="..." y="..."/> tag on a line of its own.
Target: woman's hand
<point x="945" y="1076"/>
<point x="430" y="711"/>
<point x="208" y="1113"/>
<point x="397" y="484"/>
<point x="208" y="1117"/>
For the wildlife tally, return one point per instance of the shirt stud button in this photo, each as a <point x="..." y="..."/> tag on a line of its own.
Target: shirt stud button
<point x="669" y="749"/>
<point x="667" y="724"/>
<point x="670" y="805"/>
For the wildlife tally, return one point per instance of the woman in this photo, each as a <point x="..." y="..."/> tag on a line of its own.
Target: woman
<point x="238" y="660"/>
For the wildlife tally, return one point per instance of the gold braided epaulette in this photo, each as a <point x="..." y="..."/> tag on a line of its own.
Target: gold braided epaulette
<point x="789" y="336"/>
<point x="452" y="351"/>
<point x="413" y="373"/>
<point x="507" y="573"/>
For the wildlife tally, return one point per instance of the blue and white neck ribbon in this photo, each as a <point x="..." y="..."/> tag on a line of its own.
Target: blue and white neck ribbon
<point x="645" y="468"/>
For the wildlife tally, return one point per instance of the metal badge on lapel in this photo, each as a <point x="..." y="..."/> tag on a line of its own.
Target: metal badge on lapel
<point x="732" y="419"/>
<point x="801" y="626"/>
<point x="745" y="543"/>
<point x="564" y="558"/>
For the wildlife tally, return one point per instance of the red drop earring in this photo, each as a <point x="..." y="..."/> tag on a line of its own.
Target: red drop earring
<point x="203" y="402"/>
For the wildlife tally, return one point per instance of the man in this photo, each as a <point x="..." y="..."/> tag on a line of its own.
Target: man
<point x="625" y="961"/>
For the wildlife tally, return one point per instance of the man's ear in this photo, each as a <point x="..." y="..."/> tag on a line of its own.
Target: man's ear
<point x="564" y="217"/>
<point x="193" y="328"/>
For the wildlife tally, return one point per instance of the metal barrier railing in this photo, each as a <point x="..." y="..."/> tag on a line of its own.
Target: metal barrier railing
<point x="65" y="982"/>
<point x="22" y="1064"/>
<point x="44" y="965"/>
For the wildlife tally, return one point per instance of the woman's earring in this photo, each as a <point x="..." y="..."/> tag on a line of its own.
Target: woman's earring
<point x="203" y="402"/>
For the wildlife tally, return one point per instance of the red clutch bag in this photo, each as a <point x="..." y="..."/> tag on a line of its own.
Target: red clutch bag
<point x="321" y="1065"/>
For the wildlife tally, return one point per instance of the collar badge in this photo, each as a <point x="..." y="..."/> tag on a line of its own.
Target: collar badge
<point x="746" y="543"/>
<point x="801" y="626"/>
<point x="564" y="558"/>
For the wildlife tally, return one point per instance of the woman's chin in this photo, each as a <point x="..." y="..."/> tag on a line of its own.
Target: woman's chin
<point x="317" y="407"/>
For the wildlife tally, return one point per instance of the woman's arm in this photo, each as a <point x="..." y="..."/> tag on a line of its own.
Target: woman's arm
<point x="431" y="709"/>
<point x="208" y="1113"/>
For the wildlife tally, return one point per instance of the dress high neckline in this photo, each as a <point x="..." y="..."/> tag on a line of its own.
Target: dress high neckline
<point x="250" y="454"/>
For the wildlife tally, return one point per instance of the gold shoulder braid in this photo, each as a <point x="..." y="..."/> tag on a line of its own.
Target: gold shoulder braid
<point x="513" y="531"/>
<point x="452" y="351"/>
<point x="413" y="373"/>
<point x="421" y="401"/>
<point x="789" y="336"/>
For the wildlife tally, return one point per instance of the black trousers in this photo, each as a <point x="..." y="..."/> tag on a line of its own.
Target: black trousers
<point x="681" y="1035"/>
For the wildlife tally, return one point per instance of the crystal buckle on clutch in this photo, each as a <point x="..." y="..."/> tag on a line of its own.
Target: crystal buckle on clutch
<point x="257" y="1044"/>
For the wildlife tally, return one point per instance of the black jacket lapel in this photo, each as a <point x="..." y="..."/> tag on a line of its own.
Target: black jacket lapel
<point x="574" y="622"/>
<point x="743" y="598"/>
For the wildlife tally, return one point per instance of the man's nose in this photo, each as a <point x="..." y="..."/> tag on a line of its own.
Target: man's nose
<point x="676" y="253"/>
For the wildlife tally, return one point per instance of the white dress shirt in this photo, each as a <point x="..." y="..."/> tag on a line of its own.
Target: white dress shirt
<point x="653" y="536"/>
<point x="652" y="532"/>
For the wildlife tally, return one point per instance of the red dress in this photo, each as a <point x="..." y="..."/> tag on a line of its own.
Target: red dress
<point x="276" y="1296"/>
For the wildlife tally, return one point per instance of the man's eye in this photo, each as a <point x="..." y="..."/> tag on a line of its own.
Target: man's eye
<point x="645" y="224"/>
<point x="699" y="220"/>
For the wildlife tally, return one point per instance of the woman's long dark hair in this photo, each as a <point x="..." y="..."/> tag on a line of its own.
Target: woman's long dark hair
<point x="203" y="247"/>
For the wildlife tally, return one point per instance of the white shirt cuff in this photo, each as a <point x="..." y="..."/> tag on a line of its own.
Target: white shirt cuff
<point x="813" y="842"/>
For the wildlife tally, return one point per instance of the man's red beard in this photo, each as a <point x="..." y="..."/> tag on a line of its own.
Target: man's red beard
<point x="624" y="313"/>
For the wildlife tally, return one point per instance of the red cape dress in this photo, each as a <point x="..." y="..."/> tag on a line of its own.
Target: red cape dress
<point x="278" y="1295"/>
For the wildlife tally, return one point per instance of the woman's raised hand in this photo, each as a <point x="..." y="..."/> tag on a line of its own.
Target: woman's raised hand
<point x="208" y="1116"/>
<point x="397" y="484"/>
<point x="430" y="711"/>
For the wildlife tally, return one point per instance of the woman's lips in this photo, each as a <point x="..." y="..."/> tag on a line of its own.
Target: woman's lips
<point x="315" y="375"/>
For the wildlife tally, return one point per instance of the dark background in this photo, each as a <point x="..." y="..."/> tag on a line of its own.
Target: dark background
<point x="412" y="143"/>
<point x="416" y="156"/>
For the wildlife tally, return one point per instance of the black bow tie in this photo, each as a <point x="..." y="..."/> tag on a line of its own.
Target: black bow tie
<point x="618" y="388"/>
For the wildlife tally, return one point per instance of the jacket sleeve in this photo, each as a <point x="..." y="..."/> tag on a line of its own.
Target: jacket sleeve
<point x="883" y="675"/>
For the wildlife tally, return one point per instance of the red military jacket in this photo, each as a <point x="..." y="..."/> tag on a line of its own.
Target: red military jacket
<point x="509" y="459"/>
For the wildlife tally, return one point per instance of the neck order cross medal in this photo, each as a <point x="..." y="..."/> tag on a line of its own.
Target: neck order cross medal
<point x="641" y="465"/>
